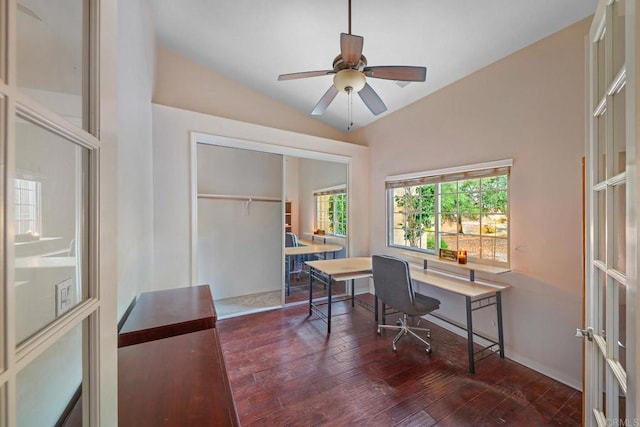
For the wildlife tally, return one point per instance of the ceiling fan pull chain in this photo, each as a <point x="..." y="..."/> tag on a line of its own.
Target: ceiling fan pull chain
<point x="350" y="110"/>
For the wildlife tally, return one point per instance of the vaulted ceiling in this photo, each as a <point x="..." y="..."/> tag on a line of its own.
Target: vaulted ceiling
<point x="252" y="42"/>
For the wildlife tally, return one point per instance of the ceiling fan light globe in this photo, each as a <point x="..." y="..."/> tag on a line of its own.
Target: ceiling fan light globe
<point x="349" y="80"/>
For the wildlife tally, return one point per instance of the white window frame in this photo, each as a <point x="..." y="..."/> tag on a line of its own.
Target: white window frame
<point x="453" y="174"/>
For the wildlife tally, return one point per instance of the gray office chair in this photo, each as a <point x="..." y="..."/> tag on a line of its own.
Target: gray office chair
<point x="393" y="285"/>
<point x="295" y="266"/>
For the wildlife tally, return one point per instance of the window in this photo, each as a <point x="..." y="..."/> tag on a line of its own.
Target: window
<point x="331" y="210"/>
<point x="28" y="215"/>
<point x="458" y="208"/>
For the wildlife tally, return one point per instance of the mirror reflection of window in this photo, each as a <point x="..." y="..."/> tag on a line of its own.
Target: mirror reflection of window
<point x="51" y="219"/>
<point x="27" y="204"/>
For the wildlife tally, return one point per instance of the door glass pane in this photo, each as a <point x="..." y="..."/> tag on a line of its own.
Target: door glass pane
<point x="52" y="62"/>
<point x="2" y="235"/>
<point x="47" y="386"/>
<point x="600" y="77"/>
<point x="51" y="207"/>
<point x="3" y="17"/>
<point x="622" y="325"/>
<point x="618" y="35"/>
<point x="601" y="144"/>
<point x="602" y="292"/>
<point x="601" y="225"/>
<point x="619" y="258"/>
<point x="619" y="133"/>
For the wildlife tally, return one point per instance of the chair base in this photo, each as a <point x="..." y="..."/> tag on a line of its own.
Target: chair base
<point x="404" y="329"/>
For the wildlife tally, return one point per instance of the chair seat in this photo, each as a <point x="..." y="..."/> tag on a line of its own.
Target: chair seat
<point x="423" y="304"/>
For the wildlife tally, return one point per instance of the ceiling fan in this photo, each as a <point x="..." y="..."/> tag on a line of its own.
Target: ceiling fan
<point x="351" y="71"/>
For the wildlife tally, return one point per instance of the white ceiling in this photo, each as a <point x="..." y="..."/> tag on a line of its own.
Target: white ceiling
<point x="254" y="41"/>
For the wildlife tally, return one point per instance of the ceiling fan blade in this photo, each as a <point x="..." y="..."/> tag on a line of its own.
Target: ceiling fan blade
<point x="372" y="100"/>
<point x="351" y="48"/>
<point x="324" y="102"/>
<point x="305" y="74"/>
<point x="397" y="72"/>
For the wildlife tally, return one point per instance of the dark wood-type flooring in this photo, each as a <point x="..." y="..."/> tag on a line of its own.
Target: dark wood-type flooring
<point x="285" y="371"/>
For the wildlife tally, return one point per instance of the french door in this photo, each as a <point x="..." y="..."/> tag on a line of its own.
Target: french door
<point x="611" y="303"/>
<point x="57" y="329"/>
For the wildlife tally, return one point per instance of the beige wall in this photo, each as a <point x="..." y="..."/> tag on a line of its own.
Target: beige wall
<point x="185" y="84"/>
<point x="529" y="107"/>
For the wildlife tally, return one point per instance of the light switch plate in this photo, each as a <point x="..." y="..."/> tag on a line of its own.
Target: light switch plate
<point x="64" y="296"/>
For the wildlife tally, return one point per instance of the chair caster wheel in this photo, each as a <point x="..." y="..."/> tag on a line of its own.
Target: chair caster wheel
<point x="395" y="348"/>
<point x="379" y="331"/>
<point x="429" y="351"/>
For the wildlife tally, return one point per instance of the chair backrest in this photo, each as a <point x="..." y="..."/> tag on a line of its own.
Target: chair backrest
<point x="290" y="240"/>
<point x="392" y="281"/>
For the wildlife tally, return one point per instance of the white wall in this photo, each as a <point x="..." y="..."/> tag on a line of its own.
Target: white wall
<point x="136" y="46"/>
<point x="171" y="183"/>
<point x="529" y="107"/>
<point x="239" y="246"/>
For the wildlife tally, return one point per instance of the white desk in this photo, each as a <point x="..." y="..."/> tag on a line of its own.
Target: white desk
<point x="305" y="250"/>
<point x="477" y="296"/>
<point x="328" y="270"/>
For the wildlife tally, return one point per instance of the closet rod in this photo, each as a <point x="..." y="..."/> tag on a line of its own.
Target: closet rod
<point x="239" y="198"/>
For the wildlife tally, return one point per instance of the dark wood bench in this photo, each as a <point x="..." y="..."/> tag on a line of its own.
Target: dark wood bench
<point x="176" y="381"/>
<point x="167" y="313"/>
<point x="171" y="369"/>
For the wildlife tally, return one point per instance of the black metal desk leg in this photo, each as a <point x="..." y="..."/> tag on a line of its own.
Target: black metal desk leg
<point x="472" y="368"/>
<point x="310" y="288"/>
<point x="329" y="307"/>
<point x="353" y="292"/>
<point x="287" y="273"/>
<point x="499" y="313"/>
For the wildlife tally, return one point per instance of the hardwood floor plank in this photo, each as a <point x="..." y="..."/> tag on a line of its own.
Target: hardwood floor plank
<point x="286" y="371"/>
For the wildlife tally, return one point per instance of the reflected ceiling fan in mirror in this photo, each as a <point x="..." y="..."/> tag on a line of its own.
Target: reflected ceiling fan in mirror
<point x="350" y="75"/>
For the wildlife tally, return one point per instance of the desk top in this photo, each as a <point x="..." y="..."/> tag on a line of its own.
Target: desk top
<point x="311" y="249"/>
<point x="162" y="314"/>
<point x="455" y="285"/>
<point x="342" y="265"/>
<point x="176" y="381"/>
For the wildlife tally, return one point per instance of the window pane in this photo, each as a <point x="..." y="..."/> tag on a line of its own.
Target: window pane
<point x="47" y="385"/>
<point x="600" y="61"/>
<point x="622" y="325"/>
<point x="3" y="49"/>
<point x="601" y="230"/>
<point x="619" y="259"/>
<point x="601" y="143"/>
<point x="619" y="133"/>
<point x="51" y="270"/>
<point x="449" y="241"/>
<point x="2" y="240"/>
<point x="52" y="63"/>
<point x="618" y="35"/>
<point x="494" y="249"/>
<point x="471" y="244"/>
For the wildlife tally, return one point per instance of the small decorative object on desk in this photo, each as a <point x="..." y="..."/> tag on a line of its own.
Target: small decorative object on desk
<point x="462" y="256"/>
<point x="448" y="254"/>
